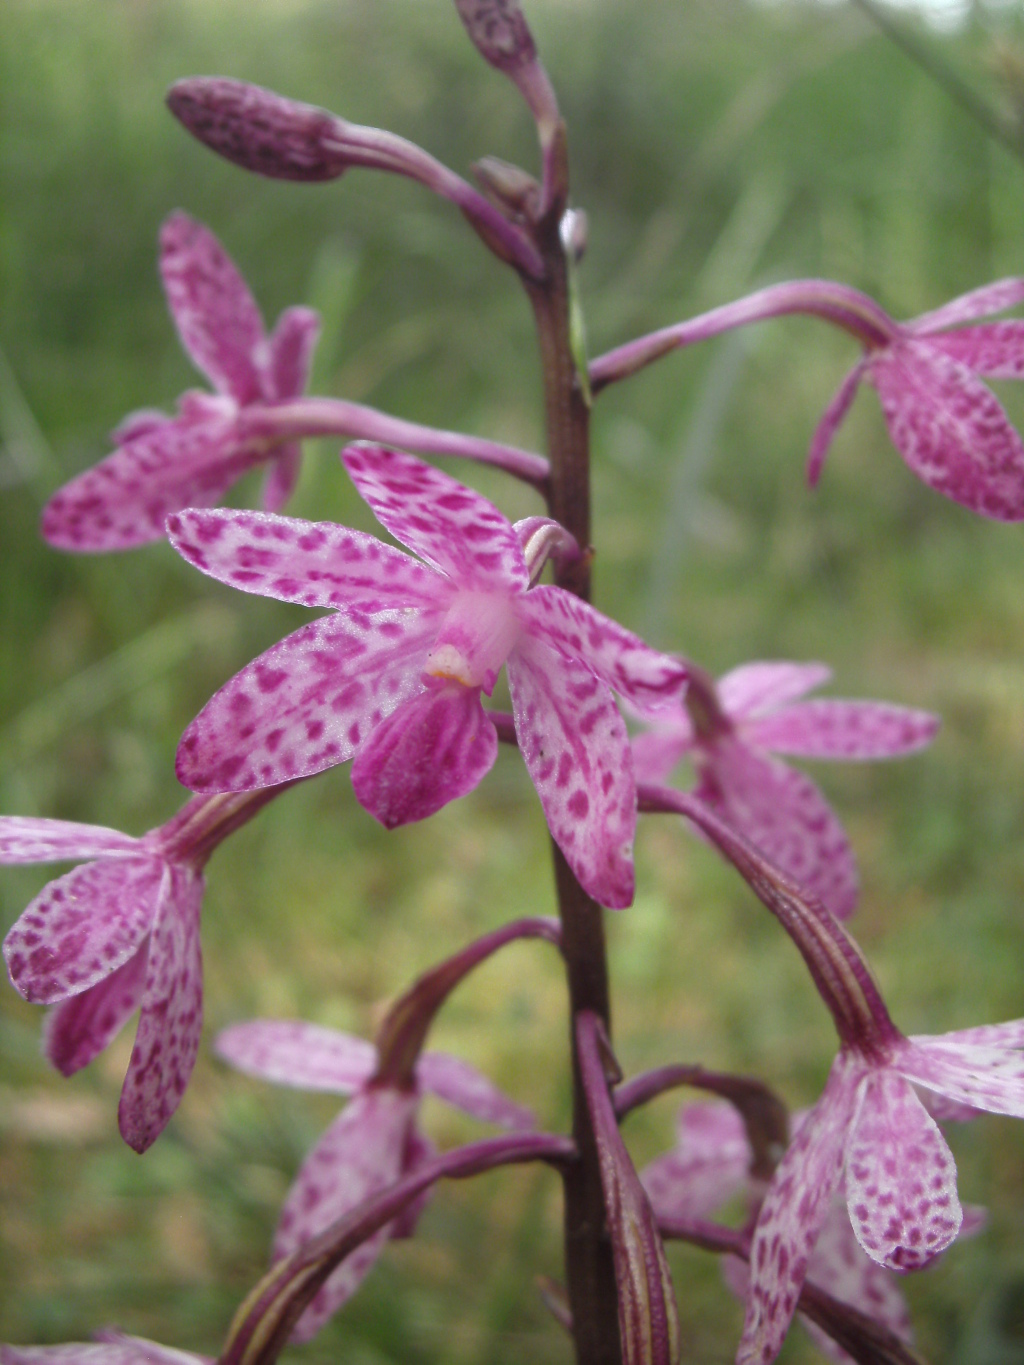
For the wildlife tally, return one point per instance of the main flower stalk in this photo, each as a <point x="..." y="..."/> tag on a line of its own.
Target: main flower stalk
<point x="590" y="1270"/>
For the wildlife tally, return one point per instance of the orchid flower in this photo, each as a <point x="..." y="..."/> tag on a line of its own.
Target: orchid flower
<point x="165" y="463"/>
<point x="395" y="677"/>
<point x="109" y="1348"/>
<point x="119" y="933"/>
<point x="949" y="428"/>
<point x="372" y="1144"/>
<point x="732" y="729"/>
<point x="710" y="1165"/>
<point x="870" y="1136"/>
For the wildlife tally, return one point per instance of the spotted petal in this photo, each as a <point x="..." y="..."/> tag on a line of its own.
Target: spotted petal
<point x="794" y="1210"/>
<point x="24" y="839"/>
<point x="843" y="729"/>
<point x="758" y="688"/>
<point x="434" y="748"/>
<point x="292" y="343"/>
<point x="123" y="501"/>
<point x="708" y="1165"/>
<point x="216" y="316"/>
<point x="952" y="432"/>
<point x="830" y="422"/>
<point x="362" y="1152"/>
<point x="900" y="1177"/>
<point x="646" y="678"/>
<point x="840" y="1267"/>
<point x="450" y="526"/>
<point x="657" y="751"/>
<point x="984" y="1076"/>
<point x="785" y="815"/>
<point x="171" y="1017"/>
<point x="79" y="1028"/>
<point x="316" y="564"/>
<point x="110" y="1348"/>
<point x="459" y="1084"/>
<point x="994" y="349"/>
<point x="575" y="746"/>
<point x="291" y="1052"/>
<point x="82" y="927"/>
<point x="307" y="703"/>
<point x="990" y="298"/>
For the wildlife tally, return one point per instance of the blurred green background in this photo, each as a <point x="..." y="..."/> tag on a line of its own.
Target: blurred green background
<point x="716" y="146"/>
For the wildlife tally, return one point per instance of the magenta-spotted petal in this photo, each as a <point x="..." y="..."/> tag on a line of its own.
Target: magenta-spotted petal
<point x="79" y="1028"/>
<point x="450" y="526"/>
<point x="291" y="347"/>
<point x="984" y="1076"/>
<point x="362" y="1152"/>
<point x="171" y="1017"/>
<point x="994" y="349"/>
<point x="950" y="429"/>
<point x="646" y="678"/>
<point x="216" y="316"/>
<point x="658" y="750"/>
<point x="123" y="501"/>
<point x="575" y="746"/>
<point x="758" y="688"/>
<point x="316" y="564"/>
<point x="461" y="1085"/>
<point x="307" y="703"/>
<point x="25" y="839"/>
<point x="830" y="422"/>
<point x="292" y="1052"/>
<point x="708" y="1165"/>
<point x="900" y="1177"/>
<point x="434" y="748"/>
<point x="82" y="927"/>
<point x="843" y="729"/>
<point x="840" y="1267"/>
<point x="795" y="1207"/>
<point x="110" y="1348"/>
<point x="990" y="298"/>
<point x="783" y="812"/>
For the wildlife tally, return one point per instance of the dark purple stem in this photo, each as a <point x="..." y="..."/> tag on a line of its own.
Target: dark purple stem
<point x="402" y="1034"/>
<point x="590" y="1269"/>
<point x="764" y="1115"/>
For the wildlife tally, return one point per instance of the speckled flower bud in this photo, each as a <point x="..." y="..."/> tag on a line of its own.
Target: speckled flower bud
<point x="260" y="130"/>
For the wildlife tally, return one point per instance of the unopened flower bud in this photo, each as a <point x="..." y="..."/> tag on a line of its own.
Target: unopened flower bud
<point x="260" y="130"/>
<point x="499" y="31"/>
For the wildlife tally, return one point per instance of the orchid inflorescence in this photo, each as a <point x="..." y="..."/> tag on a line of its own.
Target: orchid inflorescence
<point x="398" y="677"/>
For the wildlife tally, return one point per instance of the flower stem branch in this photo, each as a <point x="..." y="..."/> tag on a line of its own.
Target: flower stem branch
<point x="336" y="417"/>
<point x="839" y="304"/>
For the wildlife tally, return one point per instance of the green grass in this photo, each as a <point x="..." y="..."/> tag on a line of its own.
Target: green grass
<point x="715" y="147"/>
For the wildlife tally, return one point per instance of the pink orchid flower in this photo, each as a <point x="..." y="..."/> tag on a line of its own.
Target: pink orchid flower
<point x="871" y="1138"/>
<point x="732" y="729"/>
<point x="166" y="463"/>
<point x="395" y="676"/>
<point x="119" y="933"/>
<point x="109" y="1348"/>
<point x="371" y="1145"/>
<point x="710" y="1165"/>
<point x="950" y="429"/>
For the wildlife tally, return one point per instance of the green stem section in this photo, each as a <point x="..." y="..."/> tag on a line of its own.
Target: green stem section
<point x="589" y="1264"/>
